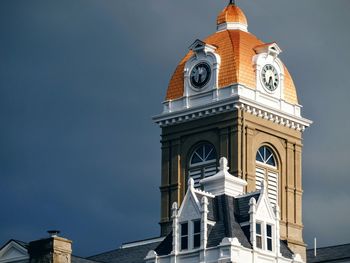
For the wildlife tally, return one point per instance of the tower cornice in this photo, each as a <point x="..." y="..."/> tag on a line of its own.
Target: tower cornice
<point x="284" y="114"/>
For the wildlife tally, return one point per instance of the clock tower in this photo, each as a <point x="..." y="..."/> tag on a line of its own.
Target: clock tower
<point x="231" y="96"/>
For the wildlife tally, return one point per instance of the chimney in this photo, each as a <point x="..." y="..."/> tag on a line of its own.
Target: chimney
<point x="54" y="249"/>
<point x="223" y="182"/>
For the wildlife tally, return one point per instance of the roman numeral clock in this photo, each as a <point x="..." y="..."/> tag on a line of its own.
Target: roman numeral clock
<point x="270" y="77"/>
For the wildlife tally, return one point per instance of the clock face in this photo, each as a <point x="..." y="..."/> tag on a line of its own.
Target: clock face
<point x="200" y="75"/>
<point x="270" y="77"/>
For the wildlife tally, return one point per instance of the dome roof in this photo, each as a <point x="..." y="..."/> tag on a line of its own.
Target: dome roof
<point x="236" y="49"/>
<point x="232" y="14"/>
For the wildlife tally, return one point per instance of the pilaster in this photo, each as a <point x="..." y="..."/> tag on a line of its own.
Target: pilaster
<point x="250" y="160"/>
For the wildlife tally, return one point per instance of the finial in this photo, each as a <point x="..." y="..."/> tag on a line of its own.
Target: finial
<point x="174" y="209"/>
<point x="263" y="187"/>
<point x="232" y="2"/>
<point x="223" y="164"/>
<point x="191" y="183"/>
<point x="252" y="201"/>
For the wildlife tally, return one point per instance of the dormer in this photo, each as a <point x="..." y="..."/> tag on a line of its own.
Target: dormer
<point x="190" y="221"/>
<point x="199" y="47"/>
<point x="270" y="49"/>
<point x="219" y="225"/>
<point x="201" y="70"/>
<point x="264" y="223"/>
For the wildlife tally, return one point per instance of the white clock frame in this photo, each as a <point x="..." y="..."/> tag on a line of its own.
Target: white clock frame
<point x="268" y="54"/>
<point x="203" y="53"/>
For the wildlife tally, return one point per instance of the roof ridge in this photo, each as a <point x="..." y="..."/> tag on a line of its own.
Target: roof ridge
<point x="248" y="194"/>
<point x="235" y="69"/>
<point x="201" y="192"/>
<point x="86" y="258"/>
<point x="340" y="245"/>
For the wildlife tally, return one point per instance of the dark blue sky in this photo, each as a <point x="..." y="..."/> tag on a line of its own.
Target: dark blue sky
<point x="80" y="81"/>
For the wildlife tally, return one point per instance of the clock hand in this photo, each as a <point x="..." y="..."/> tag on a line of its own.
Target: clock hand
<point x="196" y="76"/>
<point x="201" y="71"/>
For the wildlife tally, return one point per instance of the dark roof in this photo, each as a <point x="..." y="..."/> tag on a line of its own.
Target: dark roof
<point x="165" y="247"/>
<point x="340" y="253"/>
<point x="226" y="224"/>
<point x="132" y="254"/>
<point x="76" y="259"/>
<point x="227" y="212"/>
<point x="285" y="250"/>
<point x="242" y="206"/>
<point x="21" y="243"/>
<point x="211" y="206"/>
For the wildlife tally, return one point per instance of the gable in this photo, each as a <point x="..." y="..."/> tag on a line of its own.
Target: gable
<point x="264" y="209"/>
<point x="13" y="252"/>
<point x="189" y="209"/>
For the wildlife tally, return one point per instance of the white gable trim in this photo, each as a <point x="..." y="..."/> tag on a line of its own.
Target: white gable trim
<point x="264" y="204"/>
<point x="13" y="252"/>
<point x="190" y="197"/>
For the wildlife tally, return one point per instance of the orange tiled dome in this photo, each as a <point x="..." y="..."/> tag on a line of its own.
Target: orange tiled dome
<point x="232" y="14"/>
<point x="236" y="49"/>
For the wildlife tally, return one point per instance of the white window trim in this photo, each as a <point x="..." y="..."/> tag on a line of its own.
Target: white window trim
<point x="272" y="239"/>
<point x="199" y="233"/>
<point x="181" y="236"/>
<point x="261" y="235"/>
<point x="264" y="236"/>
<point x="190" y="235"/>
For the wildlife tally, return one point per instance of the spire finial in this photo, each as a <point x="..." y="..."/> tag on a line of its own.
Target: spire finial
<point x="232" y="2"/>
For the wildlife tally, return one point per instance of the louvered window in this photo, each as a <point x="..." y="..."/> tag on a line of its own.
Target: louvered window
<point x="266" y="169"/>
<point x="202" y="163"/>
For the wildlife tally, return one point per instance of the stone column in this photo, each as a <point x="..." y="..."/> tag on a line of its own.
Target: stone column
<point x="252" y="211"/>
<point x="236" y="145"/>
<point x="164" y="188"/>
<point x="175" y="229"/>
<point x="204" y="228"/>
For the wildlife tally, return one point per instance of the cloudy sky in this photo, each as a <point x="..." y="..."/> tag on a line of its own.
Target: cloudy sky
<point x="80" y="81"/>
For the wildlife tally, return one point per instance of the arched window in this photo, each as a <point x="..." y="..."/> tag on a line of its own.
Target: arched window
<point x="266" y="169"/>
<point x="202" y="162"/>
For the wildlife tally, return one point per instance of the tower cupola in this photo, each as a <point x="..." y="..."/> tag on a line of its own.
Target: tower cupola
<point x="232" y="17"/>
<point x="232" y="96"/>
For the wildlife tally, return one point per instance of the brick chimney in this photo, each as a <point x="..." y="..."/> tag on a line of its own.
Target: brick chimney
<point x="54" y="249"/>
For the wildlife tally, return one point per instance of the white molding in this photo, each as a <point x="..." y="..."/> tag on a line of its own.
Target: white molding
<point x="223" y="182"/>
<point x="290" y="118"/>
<point x="202" y="53"/>
<point x="190" y="197"/>
<point x="142" y="242"/>
<point x="232" y="26"/>
<point x="248" y="194"/>
<point x="19" y="252"/>
<point x="268" y="48"/>
<point x="201" y="192"/>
